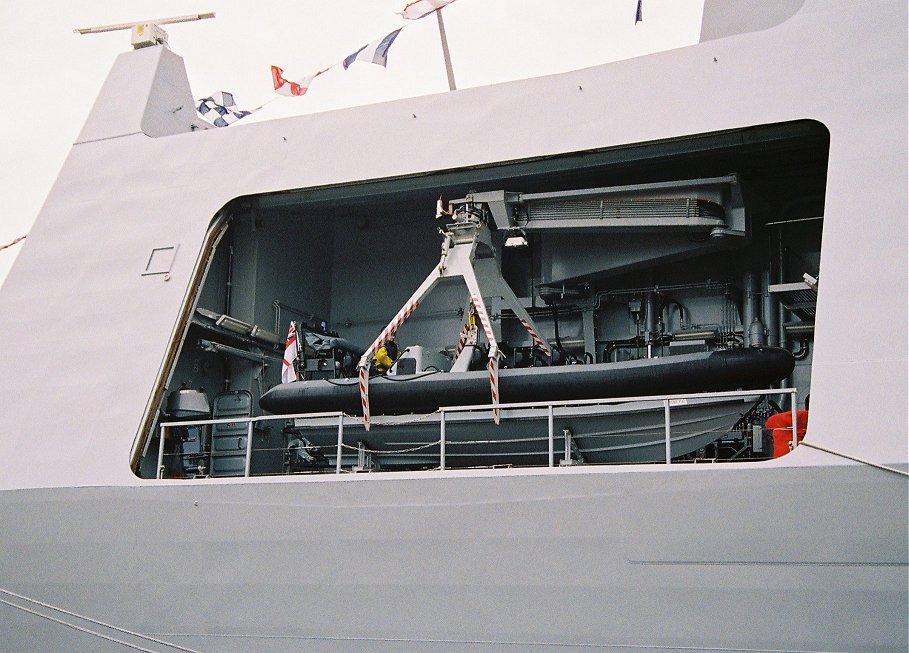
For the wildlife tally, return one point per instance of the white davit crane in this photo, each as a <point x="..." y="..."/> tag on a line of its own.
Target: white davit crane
<point x="467" y="252"/>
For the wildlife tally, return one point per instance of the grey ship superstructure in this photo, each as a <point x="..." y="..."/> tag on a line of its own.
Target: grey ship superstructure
<point x="748" y="191"/>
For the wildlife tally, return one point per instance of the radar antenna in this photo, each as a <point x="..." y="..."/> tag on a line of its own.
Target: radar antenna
<point x="145" y="33"/>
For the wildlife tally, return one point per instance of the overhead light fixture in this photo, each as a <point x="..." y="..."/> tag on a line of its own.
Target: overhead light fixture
<point x="810" y="281"/>
<point x="517" y="238"/>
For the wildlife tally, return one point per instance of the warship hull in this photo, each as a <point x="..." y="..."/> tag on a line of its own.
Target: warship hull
<point x="432" y="560"/>
<point x="806" y="552"/>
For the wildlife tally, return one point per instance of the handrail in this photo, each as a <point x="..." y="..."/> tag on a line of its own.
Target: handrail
<point x="621" y="400"/>
<point x="667" y="400"/>
<point x="259" y="418"/>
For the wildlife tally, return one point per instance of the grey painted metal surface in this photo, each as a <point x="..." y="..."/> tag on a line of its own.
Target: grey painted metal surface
<point x="101" y="294"/>
<point x="443" y="562"/>
<point x="615" y="558"/>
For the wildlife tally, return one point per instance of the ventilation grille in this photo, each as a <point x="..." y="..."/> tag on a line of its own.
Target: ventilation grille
<point x="610" y="208"/>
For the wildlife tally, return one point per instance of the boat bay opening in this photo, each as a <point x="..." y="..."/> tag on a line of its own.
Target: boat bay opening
<point x="649" y="303"/>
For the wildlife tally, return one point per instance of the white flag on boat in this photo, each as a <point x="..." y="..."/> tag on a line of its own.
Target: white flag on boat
<point x="288" y="371"/>
<point x="375" y="52"/>
<point x="420" y="8"/>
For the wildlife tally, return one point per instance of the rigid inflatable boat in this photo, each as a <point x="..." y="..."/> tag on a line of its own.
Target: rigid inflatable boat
<point x="731" y="369"/>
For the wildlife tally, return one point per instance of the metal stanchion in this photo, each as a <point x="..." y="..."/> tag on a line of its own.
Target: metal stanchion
<point x="668" y="432"/>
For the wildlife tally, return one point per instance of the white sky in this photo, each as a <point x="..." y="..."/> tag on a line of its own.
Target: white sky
<point x="50" y="76"/>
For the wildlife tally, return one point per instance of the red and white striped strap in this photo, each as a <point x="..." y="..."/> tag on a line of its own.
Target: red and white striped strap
<point x="462" y="340"/>
<point x="484" y="319"/>
<point x="494" y="385"/>
<point x="364" y="395"/>
<point x="537" y="340"/>
<point x="393" y="326"/>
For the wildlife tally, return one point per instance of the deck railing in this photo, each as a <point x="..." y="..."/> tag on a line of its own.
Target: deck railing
<point x="668" y="402"/>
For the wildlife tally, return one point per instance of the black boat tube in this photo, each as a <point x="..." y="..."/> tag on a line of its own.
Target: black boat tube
<point x="732" y="369"/>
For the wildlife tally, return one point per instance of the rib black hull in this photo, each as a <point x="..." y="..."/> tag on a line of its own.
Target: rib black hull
<point x="733" y="369"/>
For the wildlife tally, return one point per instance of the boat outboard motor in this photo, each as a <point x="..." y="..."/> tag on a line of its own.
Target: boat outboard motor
<point x="190" y="451"/>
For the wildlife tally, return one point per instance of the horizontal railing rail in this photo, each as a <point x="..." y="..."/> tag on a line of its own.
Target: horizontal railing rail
<point x="668" y="402"/>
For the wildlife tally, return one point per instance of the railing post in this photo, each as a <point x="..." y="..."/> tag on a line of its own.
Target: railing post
<point x="161" y="453"/>
<point x="668" y="432"/>
<point x="249" y="439"/>
<point x="795" y="439"/>
<point x="570" y="446"/>
<point x="442" y="441"/>
<point x="340" y="443"/>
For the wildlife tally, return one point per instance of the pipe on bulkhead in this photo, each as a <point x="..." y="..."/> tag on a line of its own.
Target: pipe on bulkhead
<point x="228" y="287"/>
<point x="782" y="311"/>
<point x="752" y="327"/>
<point x="771" y="320"/>
<point x="756" y="333"/>
<point x="747" y="306"/>
<point x="668" y="304"/>
<point x="804" y="349"/>
<point x="229" y="281"/>
<point x="649" y="321"/>
<point x="558" y="349"/>
<point x="613" y="345"/>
